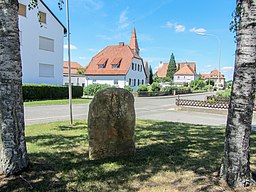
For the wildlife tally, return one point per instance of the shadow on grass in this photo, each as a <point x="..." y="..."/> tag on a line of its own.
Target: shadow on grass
<point x="161" y="146"/>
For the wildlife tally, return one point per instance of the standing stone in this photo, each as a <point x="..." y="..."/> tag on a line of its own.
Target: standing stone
<point x="111" y="123"/>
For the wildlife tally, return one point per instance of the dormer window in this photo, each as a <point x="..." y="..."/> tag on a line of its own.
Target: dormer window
<point x="102" y="63"/>
<point x="116" y="63"/>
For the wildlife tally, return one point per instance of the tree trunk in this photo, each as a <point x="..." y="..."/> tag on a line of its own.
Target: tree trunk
<point x="236" y="166"/>
<point x="13" y="153"/>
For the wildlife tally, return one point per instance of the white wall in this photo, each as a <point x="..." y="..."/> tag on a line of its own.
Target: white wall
<point x="184" y="78"/>
<point x="75" y="80"/>
<point x="31" y="55"/>
<point x="135" y="74"/>
<point x="121" y="80"/>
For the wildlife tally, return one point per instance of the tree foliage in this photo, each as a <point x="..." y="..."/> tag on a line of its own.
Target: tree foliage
<point x="171" y="68"/>
<point x="150" y="75"/>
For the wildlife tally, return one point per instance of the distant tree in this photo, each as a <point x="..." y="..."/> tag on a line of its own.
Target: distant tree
<point x="235" y="168"/>
<point x="171" y="68"/>
<point x="150" y="75"/>
<point x="80" y="71"/>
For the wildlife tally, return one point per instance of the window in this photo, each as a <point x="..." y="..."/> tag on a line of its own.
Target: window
<point x="142" y="82"/>
<point x="77" y="81"/>
<point x="115" y="66"/>
<point x="46" y="70"/>
<point x="94" y="81"/>
<point x="46" y="44"/>
<point x="130" y="81"/>
<point x="115" y="82"/>
<point x="135" y="67"/>
<point x="101" y="66"/>
<point x="134" y="82"/>
<point x="42" y="17"/>
<point x="138" y="82"/>
<point x="22" y="10"/>
<point x="83" y="84"/>
<point x="132" y="66"/>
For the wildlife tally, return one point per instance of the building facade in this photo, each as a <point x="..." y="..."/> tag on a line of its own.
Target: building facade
<point x="41" y="43"/>
<point x="77" y="74"/>
<point x="215" y="75"/>
<point x="117" y="65"/>
<point x="186" y="73"/>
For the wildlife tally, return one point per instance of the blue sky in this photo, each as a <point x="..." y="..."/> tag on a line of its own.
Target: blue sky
<point x="163" y="27"/>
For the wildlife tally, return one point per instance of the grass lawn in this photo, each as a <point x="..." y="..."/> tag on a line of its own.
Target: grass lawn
<point x="56" y="102"/>
<point x="170" y="157"/>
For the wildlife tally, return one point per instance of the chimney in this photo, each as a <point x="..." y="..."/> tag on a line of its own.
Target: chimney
<point x="121" y="43"/>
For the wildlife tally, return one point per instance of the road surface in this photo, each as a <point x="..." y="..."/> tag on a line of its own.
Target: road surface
<point x="154" y="108"/>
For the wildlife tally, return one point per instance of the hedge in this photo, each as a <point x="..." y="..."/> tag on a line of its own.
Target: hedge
<point x="42" y="92"/>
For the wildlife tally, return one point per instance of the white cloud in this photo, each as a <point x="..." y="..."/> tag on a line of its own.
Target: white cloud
<point x="178" y="27"/>
<point x="92" y="50"/>
<point x="209" y="66"/>
<point x="72" y="47"/>
<point x="198" y="30"/>
<point x="123" y="20"/>
<point x="227" y="68"/>
<point x="82" y="58"/>
<point x="92" y="4"/>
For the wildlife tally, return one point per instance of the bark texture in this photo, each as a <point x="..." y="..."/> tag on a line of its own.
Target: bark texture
<point x="111" y="123"/>
<point x="236" y="166"/>
<point x="13" y="154"/>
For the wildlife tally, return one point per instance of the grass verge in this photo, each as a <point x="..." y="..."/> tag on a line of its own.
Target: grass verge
<point x="56" y="102"/>
<point x="170" y="157"/>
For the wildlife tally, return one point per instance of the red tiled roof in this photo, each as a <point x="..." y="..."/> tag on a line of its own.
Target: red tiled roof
<point x="73" y="65"/>
<point x="162" y="70"/>
<point x="185" y="70"/>
<point x="133" y="41"/>
<point x="213" y="75"/>
<point x="114" y="53"/>
<point x="192" y="65"/>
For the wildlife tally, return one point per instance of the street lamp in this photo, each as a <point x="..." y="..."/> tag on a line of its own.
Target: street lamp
<point x="69" y="67"/>
<point x="219" y="44"/>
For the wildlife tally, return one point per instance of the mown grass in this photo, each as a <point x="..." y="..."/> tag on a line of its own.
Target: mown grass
<point x="170" y="157"/>
<point x="56" y="102"/>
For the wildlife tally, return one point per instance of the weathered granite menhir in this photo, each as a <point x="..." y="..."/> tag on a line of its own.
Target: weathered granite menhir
<point x="111" y="123"/>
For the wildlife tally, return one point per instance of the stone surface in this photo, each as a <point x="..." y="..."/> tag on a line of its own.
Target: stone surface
<point x="111" y="123"/>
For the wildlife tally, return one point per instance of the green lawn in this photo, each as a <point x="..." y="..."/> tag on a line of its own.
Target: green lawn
<point x="56" y="102"/>
<point x="170" y="157"/>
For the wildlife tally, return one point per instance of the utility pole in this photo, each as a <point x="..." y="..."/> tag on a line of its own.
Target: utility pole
<point x="69" y="67"/>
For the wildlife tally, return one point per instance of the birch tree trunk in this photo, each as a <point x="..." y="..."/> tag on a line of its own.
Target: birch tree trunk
<point x="236" y="166"/>
<point x="13" y="154"/>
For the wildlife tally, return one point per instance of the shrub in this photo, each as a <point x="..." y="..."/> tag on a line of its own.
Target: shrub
<point x="169" y="88"/>
<point x="128" y="88"/>
<point x="155" y="87"/>
<point x="142" y="88"/>
<point x="92" y="89"/>
<point x="43" y="91"/>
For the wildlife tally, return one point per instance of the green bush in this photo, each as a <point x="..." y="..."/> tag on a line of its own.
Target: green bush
<point x="155" y="87"/>
<point x="92" y="89"/>
<point x="33" y="92"/>
<point x="142" y="88"/>
<point x="128" y="88"/>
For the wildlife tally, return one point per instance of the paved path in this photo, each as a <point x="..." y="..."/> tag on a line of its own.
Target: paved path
<point x="155" y="108"/>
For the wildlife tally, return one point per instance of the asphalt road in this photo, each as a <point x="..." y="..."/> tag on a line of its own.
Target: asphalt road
<point x="155" y="108"/>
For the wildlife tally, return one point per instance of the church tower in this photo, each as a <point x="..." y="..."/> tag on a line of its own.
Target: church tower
<point x="134" y="43"/>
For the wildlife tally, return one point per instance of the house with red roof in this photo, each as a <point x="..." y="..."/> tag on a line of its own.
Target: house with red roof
<point x="117" y="65"/>
<point x="186" y="73"/>
<point x="162" y="69"/>
<point x="77" y="73"/>
<point x="214" y="76"/>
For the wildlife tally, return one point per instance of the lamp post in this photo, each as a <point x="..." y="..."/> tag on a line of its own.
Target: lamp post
<point x="219" y="44"/>
<point x="69" y="67"/>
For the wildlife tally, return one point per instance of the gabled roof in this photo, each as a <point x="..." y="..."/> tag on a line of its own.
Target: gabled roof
<point x="65" y="30"/>
<point x="111" y="55"/>
<point x="73" y="65"/>
<point x="162" y="70"/>
<point x="185" y="70"/>
<point x="192" y="65"/>
<point x="213" y="75"/>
